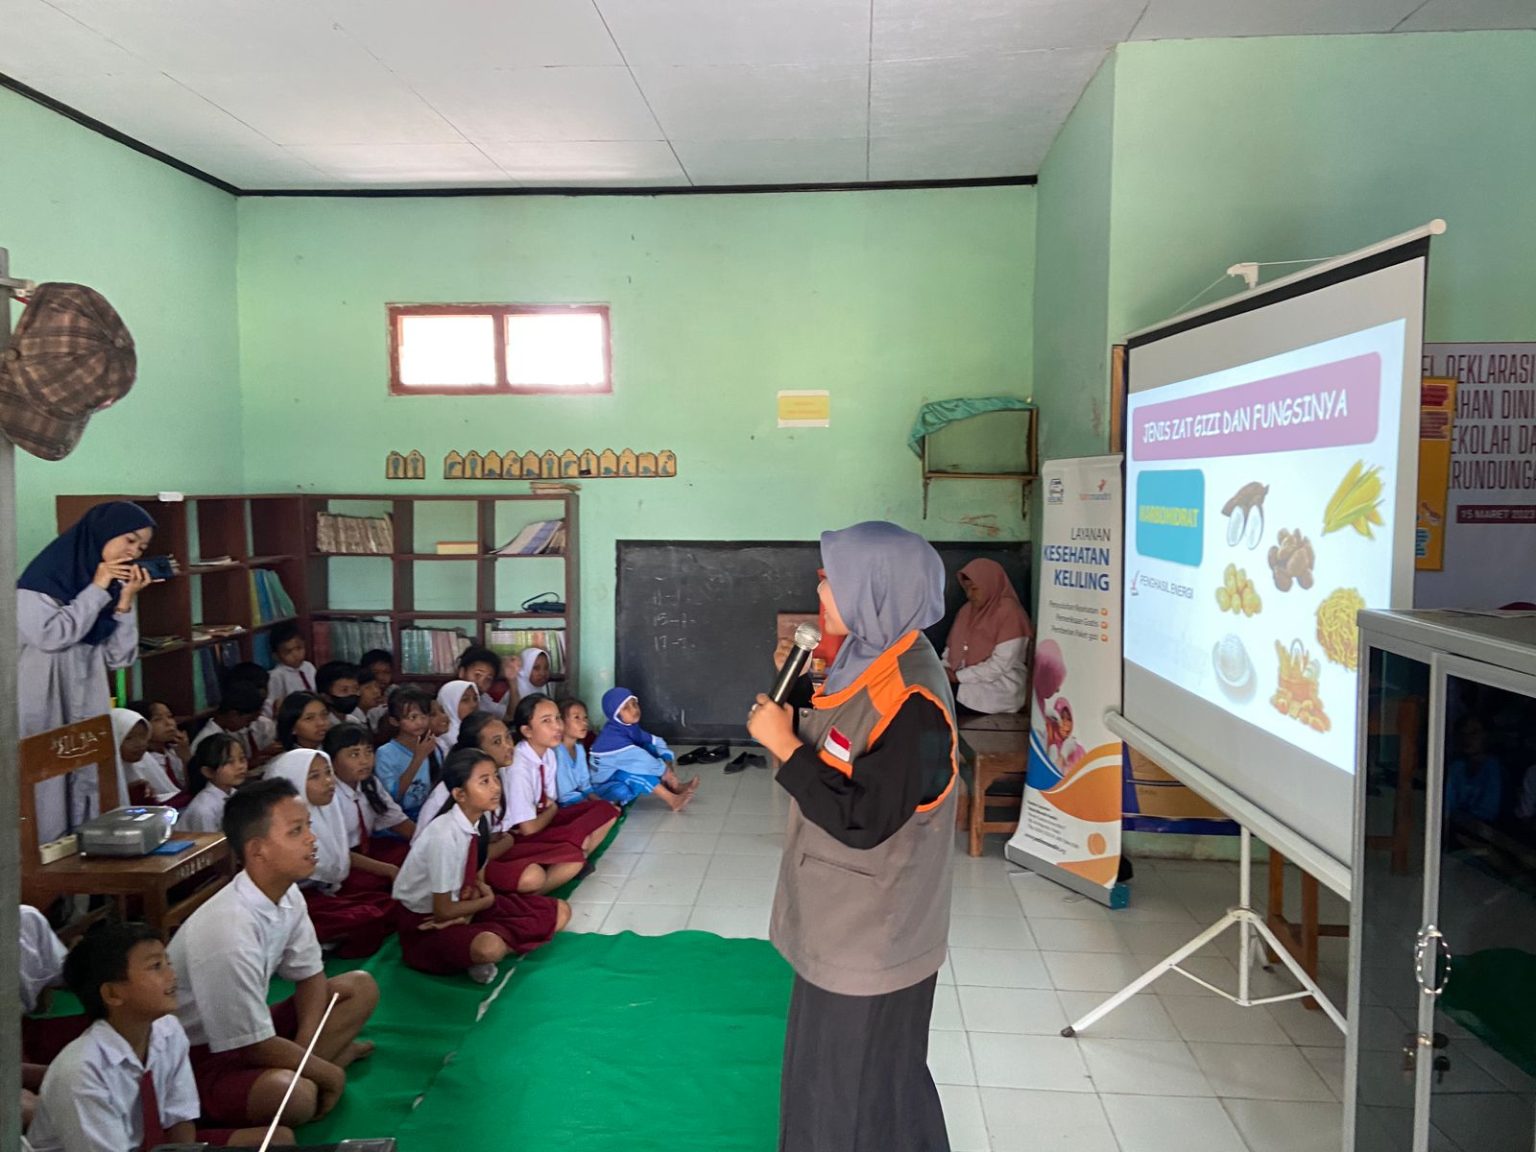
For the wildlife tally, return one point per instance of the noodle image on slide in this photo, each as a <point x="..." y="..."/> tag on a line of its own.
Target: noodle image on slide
<point x="1337" y="629"/>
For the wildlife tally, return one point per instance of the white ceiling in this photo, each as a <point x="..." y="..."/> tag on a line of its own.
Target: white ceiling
<point x="345" y="94"/>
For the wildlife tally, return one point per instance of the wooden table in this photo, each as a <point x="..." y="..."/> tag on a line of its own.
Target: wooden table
<point x="1000" y="750"/>
<point x="149" y="878"/>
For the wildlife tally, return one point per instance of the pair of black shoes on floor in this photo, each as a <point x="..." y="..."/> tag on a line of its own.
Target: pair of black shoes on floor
<point x="703" y="755"/>
<point x="743" y="762"/>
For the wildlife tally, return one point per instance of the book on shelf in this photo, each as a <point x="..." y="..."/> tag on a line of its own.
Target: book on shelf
<point x="269" y="599"/>
<point x="354" y="535"/>
<point x="202" y="632"/>
<point x="458" y="547"/>
<point x="431" y="651"/>
<point x="215" y="562"/>
<point x="541" y="538"/>
<point x="210" y="662"/>
<point x="512" y="641"/>
<point x="156" y="643"/>
<point x="349" y="639"/>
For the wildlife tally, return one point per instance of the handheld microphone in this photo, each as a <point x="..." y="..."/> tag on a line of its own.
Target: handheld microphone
<point x="807" y="636"/>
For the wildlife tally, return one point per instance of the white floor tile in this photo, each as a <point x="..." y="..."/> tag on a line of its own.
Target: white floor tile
<point x="1259" y="1072"/>
<point x="1306" y="1026"/>
<point x="949" y="1058"/>
<point x="990" y="932"/>
<point x="597" y="890"/>
<point x="760" y="803"/>
<point x="682" y="843"/>
<point x="963" y="1118"/>
<point x="751" y="844"/>
<point x="751" y="823"/>
<point x="737" y="891"/>
<point x="1162" y="939"/>
<point x="1160" y="909"/>
<point x="985" y="902"/>
<point x="1143" y="1067"/>
<point x="646" y="919"/>
<point x="1217" y="970"/>
<point x="1025" y="1121"/>
<point x="1274" y="1126"/>
<point x="1142" y="1017"/>
<point x="741" y="867"/>
<point x="616" y="865"/>
<point x="588" y="917"/>
<point x="1026" y="1011"/>
<point x="671" y="867"/>
<point x="652" y="889"/>
<point x="1045" y="1063"/>
<point x="1076" y="935"/>
<point x="945" y="1016"/>
<point x="740" y="923"/>
<point x="1091" y="971"/>
<point x="998" y="968"/>
<point x="1171" y="1124"/>
<point x="1042" y="898"/>
<point x="983" y="872"/>
<point x="1218" y="1020"/>
<point x="1328" y="1063"/>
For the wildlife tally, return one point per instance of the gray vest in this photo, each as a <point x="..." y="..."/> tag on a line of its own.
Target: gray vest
<point x="865" y="922"/>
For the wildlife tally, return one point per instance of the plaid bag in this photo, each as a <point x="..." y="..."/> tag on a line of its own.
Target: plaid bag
<point x="70" y="356"/>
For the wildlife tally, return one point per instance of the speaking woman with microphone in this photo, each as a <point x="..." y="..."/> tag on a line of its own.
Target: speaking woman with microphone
<point x="862" y="907"/>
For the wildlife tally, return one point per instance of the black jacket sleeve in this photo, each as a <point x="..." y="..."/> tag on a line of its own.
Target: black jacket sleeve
<point x="906" y="768"/>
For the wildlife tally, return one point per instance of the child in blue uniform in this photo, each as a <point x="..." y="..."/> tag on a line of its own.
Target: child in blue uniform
<point x="631" y="760"/>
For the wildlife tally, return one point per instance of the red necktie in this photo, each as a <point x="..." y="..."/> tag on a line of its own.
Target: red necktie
<point x="362" y="825"/>
<point x="472" y="865"/>
<point x="154" y="1131"/>
<point x="308" y="687"/>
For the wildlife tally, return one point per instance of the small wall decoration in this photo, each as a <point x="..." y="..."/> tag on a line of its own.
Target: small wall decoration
<point x="569" y="464"/>
<point x="405" y="466"/>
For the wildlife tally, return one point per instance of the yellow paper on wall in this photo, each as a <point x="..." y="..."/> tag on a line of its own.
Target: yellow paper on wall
<point x="1437" y="414"/>
<point x="805" y="409"/>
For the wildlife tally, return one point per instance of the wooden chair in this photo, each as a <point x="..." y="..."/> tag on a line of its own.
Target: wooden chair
<point x="1000" y="755"/>
<point x="89" y="743"/>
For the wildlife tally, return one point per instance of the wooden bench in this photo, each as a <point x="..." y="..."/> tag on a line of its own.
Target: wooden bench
<point x="1000" y="756"/>
<point x="151" y="879"/>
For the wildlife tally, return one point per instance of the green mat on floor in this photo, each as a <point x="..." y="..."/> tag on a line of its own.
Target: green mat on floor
<point x="618" y="1042"/>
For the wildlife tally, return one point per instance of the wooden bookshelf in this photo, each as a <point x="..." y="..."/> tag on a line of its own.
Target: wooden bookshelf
<point x="278" y="532"/>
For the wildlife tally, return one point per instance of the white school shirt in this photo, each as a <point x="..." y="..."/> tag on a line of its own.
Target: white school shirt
<point x="171" y="765"/>
<point x="430" y="808"/>
<point x="997" y="684"/>
<point x="152" y="772"/>
<point x="285" y="680"/>
<point x="354" y="806"/>
<point x="205" y="811"/>
<point x="437" y="861"/>
<point x="90" y="1100"/>
<point x="226" y="955"/>
<point x="526" y="781"/>
<point x="213" y="728"/>
<point x="42" y="957"/>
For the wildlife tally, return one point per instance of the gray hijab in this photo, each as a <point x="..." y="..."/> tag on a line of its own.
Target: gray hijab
<point x="885" y="582"/>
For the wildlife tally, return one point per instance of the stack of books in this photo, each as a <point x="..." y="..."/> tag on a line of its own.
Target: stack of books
<point x="201" y="632"/>
<point x="431" y="651"/>
<point x="269" y="599"/>
<point x="349" y="639"/>
<point x="541" y="538"/>
<point x="354" y="535"/>
<point x="207" y="686"/>
<point x="511" y="642"/>
<point x="156" y="643"/>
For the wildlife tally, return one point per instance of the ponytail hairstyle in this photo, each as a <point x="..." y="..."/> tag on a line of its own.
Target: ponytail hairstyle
<point x="211" y="755"/>
<point x="523" y="714"/>
<point x="470" y="729"/>
<point x="457" y="770"/>
<point x="353" y="735"/>
<point x="288" y="715"/>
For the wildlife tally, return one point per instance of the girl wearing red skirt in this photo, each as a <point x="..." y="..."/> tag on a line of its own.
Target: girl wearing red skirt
<point x="449" y="918"/>
<point x="532" y="787"/>
<point x="378" y="830"/>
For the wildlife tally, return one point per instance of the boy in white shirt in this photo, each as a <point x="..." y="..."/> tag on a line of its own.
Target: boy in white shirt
<point x="238" y="711"/>
<point x="291" y="672"/>
<point x="243" y="1053"/>
<point x="125" y="1083"/>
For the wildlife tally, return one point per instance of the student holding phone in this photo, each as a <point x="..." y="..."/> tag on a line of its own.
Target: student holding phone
<point x="75" y="619"/>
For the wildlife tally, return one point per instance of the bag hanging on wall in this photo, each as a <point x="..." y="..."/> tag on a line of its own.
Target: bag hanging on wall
<point x="546" y="602"/>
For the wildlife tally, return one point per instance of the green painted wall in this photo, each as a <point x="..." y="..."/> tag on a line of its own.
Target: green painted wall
<point x="1281" y="149"/>
<point x="889" y="299"/>
<point x="1072" y="240"/>
<point x="160" y="246"/>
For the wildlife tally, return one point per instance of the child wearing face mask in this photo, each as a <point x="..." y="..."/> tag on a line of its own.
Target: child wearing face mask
<point x="350" y="908"/>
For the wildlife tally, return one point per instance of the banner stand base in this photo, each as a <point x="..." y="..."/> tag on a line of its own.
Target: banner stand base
<point x="1247" y="922"/>
<point x="1117" y="895"/>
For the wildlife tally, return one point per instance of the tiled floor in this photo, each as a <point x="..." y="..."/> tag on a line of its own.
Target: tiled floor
<point x="1175" y="1070"/>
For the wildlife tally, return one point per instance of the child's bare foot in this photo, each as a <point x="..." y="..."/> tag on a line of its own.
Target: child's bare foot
<point x="691" y="787"/>
<point x="676" y="801"/>
<point x="359" y="1050"/>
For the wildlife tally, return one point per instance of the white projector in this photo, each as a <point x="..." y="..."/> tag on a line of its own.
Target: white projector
<point x="127" y="831"/>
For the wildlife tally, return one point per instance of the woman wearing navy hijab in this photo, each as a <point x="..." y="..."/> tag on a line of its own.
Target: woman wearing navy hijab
<point x="76" y="618"/>
<point x="862" y="907"/>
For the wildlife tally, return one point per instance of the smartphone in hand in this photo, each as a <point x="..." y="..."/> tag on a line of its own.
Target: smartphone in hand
<point x="158" y="567"/>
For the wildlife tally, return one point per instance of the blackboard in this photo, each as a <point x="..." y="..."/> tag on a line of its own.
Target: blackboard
<point x="695" y="622"/>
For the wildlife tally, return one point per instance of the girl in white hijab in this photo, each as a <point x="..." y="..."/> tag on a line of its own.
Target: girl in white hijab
<point x="458" y="698"/>
<point x="532" y="676"/>
<point x="130" y="736"/>
<point x="355" y="917"/>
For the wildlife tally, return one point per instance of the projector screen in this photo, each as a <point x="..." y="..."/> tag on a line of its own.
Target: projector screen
<point x="1271" y="471"/>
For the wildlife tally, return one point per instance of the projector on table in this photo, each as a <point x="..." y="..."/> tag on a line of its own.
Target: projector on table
<point x="131" y="831"/>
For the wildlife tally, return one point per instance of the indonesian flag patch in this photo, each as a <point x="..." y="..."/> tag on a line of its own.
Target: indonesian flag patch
<point x="838" y="745"/>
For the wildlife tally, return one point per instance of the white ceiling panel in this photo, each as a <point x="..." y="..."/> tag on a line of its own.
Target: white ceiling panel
<point x="542" y="104"/>
<point x="1461" y="15"/>
<point x="260" y="165"/>
<point x="402" y="165"/>
<point x="39" y="39"/>
<point x="814" y="102"/>
<point x="1012" y="93"/>
<point x="614" y="163"/>
<point x="190" y="36"/>
<point x="427" y="40"/>
<point x="773" y="161"/>
<point x="958" y="153"/>
<point x="323" y="108"/>
<point x="918" y="29"/>
<point x="1195" y="19"/>
<point x="716" y="32"/>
